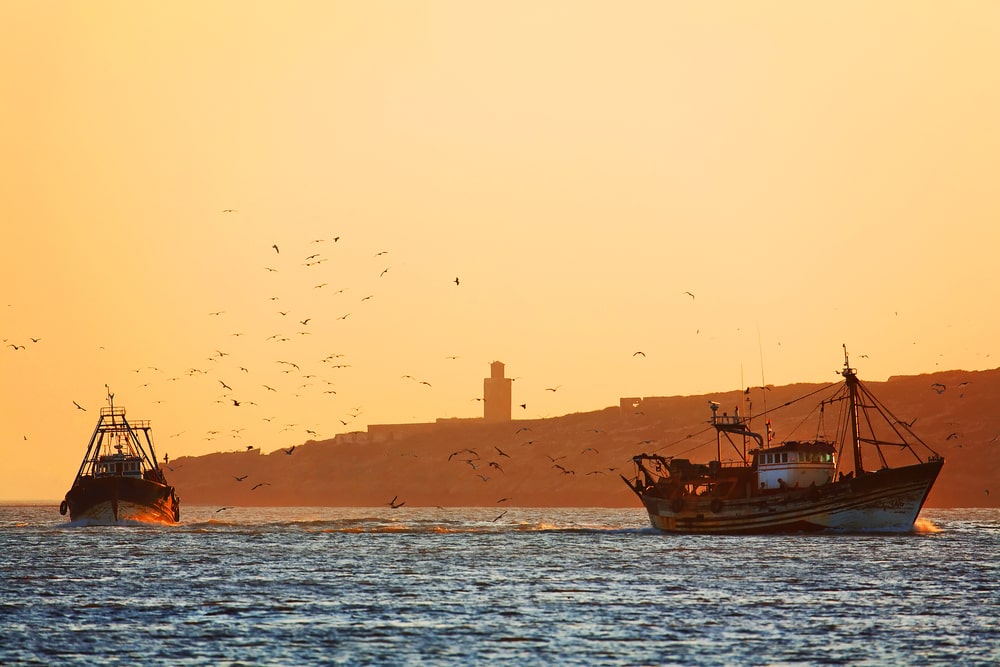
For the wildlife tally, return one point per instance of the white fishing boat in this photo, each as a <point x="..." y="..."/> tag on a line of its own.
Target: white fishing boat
<point x="796" y="485"/>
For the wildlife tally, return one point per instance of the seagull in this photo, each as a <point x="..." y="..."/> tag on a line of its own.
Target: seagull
<point x="79" y="406"/>
<point x="260" y="485"/>
<point x="500" y="516"/>
<point x="690" y="295"/>
<point x="635" y="354"/>
<point x="290" y="450"/>
<point x="229" y="210"/>
<point x="553" y="388"/>
<point x="225" y="385"/>
<point x="239" y="479"/>
<point x="223" y="508"/>
<point x="503" y="500"/>
<point x="501" y="452"/>
<point x="394" y="505"/>
<point x="456" y="281"/>
<point x="275" y="246"/>
<point x="938" y="387"/>
<point x="384" y="271"/>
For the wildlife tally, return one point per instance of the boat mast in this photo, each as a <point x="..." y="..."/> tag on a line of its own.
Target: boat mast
<point x="851" y="377"/>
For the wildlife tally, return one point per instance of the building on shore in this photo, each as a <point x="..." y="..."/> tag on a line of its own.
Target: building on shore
<point x="497" y="395"/>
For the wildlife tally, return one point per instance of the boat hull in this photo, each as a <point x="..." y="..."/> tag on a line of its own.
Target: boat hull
<point x="888" y="500"/>
<point x="115" y="499"/>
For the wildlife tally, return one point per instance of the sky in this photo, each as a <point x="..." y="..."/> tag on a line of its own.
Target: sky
<point x="734" y="189"/>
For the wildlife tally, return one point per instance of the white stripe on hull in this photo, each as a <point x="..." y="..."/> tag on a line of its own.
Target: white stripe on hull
<point x="888" y="509"/>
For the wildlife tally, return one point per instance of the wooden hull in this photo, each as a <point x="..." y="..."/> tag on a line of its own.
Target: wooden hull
<point x="114" y="499"/>
<point x="888" y="500"/>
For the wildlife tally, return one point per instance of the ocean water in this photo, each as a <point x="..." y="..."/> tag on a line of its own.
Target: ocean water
<point x="413" y="586"/>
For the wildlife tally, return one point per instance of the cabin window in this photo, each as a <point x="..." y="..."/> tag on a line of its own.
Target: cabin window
<point x="784" y="457"/>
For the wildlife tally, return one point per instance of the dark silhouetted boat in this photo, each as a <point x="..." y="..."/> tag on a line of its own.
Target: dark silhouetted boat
<point x="120" y="479"/>
<point x="796" y="486"/>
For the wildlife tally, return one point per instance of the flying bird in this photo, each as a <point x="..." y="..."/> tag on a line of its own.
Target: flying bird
<point x="690" y="294"/>
<point x="938" y="387"/>
<point x="290" y="450"/>
<point x="225" y="385"/>
<point x="394" y="505"/>
<point x="275" y="246"/>
<point x="257" y="486"/>
<point x="500" y="516"/>
<point x="241" y="478"/>
<point x="456" y="281"/>
<point x="79" y="406"/>
<point x="553" y="388"/>
<point x="635" y="354"/>
<point x="501" y="452"/>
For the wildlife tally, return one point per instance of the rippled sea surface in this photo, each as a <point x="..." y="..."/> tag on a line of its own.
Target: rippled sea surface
<point x="307" y="586"/>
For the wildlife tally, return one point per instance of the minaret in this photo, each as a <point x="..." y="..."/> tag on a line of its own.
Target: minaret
<point x="496" y="395"/>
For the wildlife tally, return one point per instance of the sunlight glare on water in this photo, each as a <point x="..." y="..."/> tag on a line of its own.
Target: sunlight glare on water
<point x="477" y="586"/>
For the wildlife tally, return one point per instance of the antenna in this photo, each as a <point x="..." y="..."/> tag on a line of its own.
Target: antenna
<point x="763" y="385"/>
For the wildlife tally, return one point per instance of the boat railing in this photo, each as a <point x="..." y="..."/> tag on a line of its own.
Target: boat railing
<point x="113" y="411"/>
<point x="724" y="419"/>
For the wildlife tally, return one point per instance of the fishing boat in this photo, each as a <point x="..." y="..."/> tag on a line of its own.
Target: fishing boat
<point x="120" y="479"/>
<point x="796" y="485"/>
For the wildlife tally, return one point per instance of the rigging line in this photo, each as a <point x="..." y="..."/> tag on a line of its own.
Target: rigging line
<point x="687" y="437"/>
<point x="766" y="412"/>
<point x="893" y="420"/>
<point x="796" y="400"/>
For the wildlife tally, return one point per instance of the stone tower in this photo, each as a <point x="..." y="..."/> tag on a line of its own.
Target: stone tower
<point x="496" y="395"/>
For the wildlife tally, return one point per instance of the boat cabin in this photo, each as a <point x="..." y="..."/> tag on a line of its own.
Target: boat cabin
<point x="794" y="464"/>
<point x="118" y="464"/>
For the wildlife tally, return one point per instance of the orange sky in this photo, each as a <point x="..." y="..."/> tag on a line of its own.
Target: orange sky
<point x="816" y="174"/>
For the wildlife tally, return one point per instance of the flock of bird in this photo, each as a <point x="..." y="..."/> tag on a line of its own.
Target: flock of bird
<point x="246" y="381"/>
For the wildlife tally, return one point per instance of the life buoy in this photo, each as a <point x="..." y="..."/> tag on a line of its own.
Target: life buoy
<point x="63" y="507"/>
<point x="677" y="504"/>
<point x="716" y="505"/>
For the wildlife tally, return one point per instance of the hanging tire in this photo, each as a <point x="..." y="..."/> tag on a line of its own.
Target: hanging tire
<point x="676" y="505"/>
<point x="63" y="507"/>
